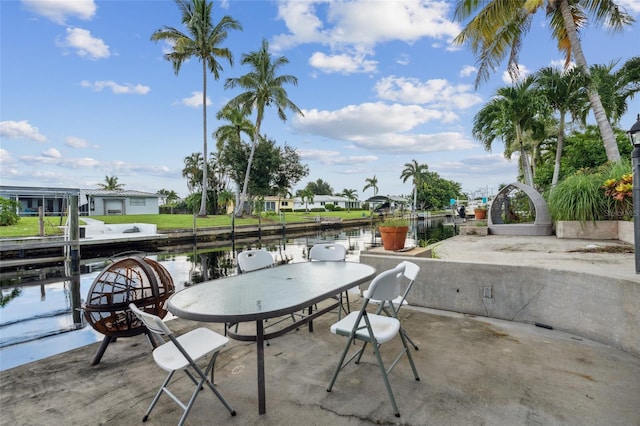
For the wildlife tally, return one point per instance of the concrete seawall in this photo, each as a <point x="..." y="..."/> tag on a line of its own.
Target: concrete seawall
<point x="597" y="306"/>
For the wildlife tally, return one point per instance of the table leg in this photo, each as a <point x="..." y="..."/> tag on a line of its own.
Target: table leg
<point x="262" y="405"/>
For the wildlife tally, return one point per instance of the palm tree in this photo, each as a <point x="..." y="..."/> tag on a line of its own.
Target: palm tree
<point x="351" y="194"/>
<point x="371" y="183"/>
<point x="168" y="195"/>
<point x="224" y="198"/>
<point x="416" y="172"/>
<point x="306" y="196"/>
<point x="263" y="87"/>
<point x="566" y="94"/>
<point x="111" y="184"/>
<point x="500" y="26"/>
<point x="238" y="124"/>
<point x="512" y="112"/>
<point x="203" y="42"/>
<point x="617" y="87"/>
<point x="192" y="171"/>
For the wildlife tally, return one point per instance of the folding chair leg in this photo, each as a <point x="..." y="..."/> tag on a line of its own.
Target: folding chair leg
<point x="387" y="385"/>
<point x="406" y="348"/>
<point x="157" y="397"/>
<point x="409" y="339"/>
<point x="341" y="364"/>
<point x="198" y="386"/>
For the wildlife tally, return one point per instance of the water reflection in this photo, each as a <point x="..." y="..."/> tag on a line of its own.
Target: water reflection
<point x="39" y="307"/>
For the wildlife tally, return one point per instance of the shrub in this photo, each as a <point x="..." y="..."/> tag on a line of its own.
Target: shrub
<point x="8" y="212"/>
<point x="582" y="195"/>
<point x="618" y="188"/>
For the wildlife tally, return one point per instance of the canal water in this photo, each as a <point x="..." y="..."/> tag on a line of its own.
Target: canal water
<point x="37" y="318"/>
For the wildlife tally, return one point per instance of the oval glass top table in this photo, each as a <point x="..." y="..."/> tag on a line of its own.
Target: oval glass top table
<point x="268" y="293"/>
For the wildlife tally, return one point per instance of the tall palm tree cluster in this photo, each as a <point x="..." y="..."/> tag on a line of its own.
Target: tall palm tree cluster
<point x="518" y="115"/>
<point x="262" y="85"/>
<point x="530" y="116"/>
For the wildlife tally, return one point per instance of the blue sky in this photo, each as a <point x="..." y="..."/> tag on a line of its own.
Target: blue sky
<point x="84" y="93"/>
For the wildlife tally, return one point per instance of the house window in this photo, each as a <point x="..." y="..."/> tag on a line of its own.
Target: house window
<point x="285" y="203"/>
<point x="138" y="202"/>
<point x="270" y="205"/>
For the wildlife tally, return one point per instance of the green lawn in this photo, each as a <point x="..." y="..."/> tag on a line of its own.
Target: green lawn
<point x="29" y="227"/>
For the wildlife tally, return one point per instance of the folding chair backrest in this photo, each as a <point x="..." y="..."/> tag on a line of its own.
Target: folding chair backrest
<point x="387" y="285"/>
<point x="252" y="260"/>
<point x="328" y="252"/>
<point x="411" y="271"/>
<point x="152" y="322"/>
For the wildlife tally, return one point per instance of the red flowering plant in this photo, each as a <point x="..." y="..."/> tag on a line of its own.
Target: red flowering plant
<point x="619" y="191"/>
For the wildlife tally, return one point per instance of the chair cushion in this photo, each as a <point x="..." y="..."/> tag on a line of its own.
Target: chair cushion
<point x="384" y="327"/>
<point x="197" y="343"/>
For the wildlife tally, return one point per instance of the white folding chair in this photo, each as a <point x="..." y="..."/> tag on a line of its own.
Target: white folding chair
<point x="252" y="260"/>
<point x="375" y="329"/>
<point x="181" y="353"/>
<point x="411" y="271"/>
<point x="330" y="252"/>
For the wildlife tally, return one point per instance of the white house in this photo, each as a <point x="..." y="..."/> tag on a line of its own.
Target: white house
<point x="91" y="202"/>
<point x="100" y="202"/>
<point x="52" y="201"/>
<point x="320" y="201"/>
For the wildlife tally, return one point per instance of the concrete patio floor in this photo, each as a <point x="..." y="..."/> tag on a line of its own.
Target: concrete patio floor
<point x="474" y="371"/>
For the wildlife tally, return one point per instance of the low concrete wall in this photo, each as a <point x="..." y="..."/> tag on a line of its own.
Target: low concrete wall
<point x="600" y="308"/>
<point x="625" y="231"/>
<point x="599" y="230"/>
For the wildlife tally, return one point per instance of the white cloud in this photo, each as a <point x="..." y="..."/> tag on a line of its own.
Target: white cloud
<point x="468" y="70"/>
<point x="435" y="92"/>
<point x="379" y="127"/>
<point x="51" y="159"/>
<point x="559" y="64"/>
<point x="417" y="143"/>
<point x="75" y="142"/>
<point x="59" y="10"/>
<point x="367" y="119"/>
<point x="195" y="101"/>
<point x="85" y="44"/>
<point x="334" y="157"/>
<point x="403" y="59"/>
<point x="20" y="130"/>
<point x="522" y="73"/>
<point x="52" y="153"/>
<point x="341" y="63"/>
<point x="630" y="6"/>
<point x="361" y="22"/>
<point x="358" y="25"/>
<point x="118" y="89"/>
<point x="303" y="24"/>
<point x="5" y="157"/>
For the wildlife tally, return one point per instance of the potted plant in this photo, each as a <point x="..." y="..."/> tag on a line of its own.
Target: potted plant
<point x="393" y="232"/>
<point x="480" y="212"/>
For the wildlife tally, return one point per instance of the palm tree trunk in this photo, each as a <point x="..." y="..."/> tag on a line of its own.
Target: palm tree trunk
<point x="415" y="195"/>
<point x="256" y="135"/>
<point x="203" y="201"/>
<point x="606" y="132"/>
<point x="526" y="165"/>
<point x="559" y="148"/>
